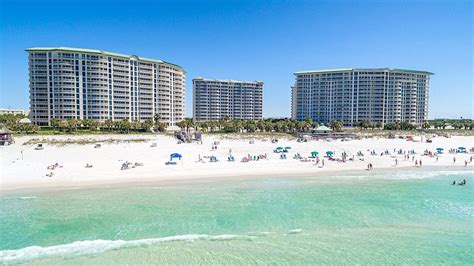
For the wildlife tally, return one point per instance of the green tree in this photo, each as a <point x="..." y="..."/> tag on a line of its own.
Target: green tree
<point x="147" y="124"/>
<point x="55" y="123"/>
<point x="336" y="125"/>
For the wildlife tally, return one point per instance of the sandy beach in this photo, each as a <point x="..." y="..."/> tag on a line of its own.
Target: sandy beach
<point x="24" y="167"/>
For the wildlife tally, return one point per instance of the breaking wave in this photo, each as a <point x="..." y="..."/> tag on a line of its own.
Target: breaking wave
<point x="90" y="247"/>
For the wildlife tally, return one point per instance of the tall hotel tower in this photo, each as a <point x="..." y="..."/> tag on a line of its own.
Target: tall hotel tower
<point x="72" y="83"/>
<point x="378" y="95"/>
<point x="215" y="99"/>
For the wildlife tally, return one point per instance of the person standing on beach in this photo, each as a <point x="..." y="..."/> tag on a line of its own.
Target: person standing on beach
<point x="454" y="159"/>
<point x="416" y="163"/>
<point x="465" y="163"/>
<point x="437" y="157"/>
<point x="420" y="163"/>
<point x="396" y="162"/>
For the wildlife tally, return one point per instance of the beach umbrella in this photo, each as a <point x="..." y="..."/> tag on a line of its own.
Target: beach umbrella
<point x="461" y="148"/>
<point x="314" y="153"/>
<point x="330" y="153"/>
<point x="279" y="148"/>
<point x="175" y="155"/>
<point x="287" y="148"/>
<point x="439" y="149"/>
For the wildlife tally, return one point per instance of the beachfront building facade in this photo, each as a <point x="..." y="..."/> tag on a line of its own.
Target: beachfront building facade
<point x="227" y="99"/>
<point x="383" y="95"/>
<point x="74" y="83"/>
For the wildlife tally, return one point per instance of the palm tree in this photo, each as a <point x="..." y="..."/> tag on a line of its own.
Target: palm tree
<point x="55" y="123"/>
<point x="261" y="125"/>
<point x="336" y="125"/>
<point x="250" y="126"/>
<point x="147" y="124"/>
<point x="108" y="124"/>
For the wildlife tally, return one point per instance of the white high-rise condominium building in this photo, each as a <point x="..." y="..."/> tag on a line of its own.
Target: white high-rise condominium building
<point x="73" y="83"/>
<point x="377" y="95"/>
<point x="215" y="99"/>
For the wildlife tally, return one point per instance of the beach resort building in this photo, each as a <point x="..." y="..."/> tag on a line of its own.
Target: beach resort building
<point x="74" y="83"/>
<point x="215" y="99"/>
<point x="383" y="95"/>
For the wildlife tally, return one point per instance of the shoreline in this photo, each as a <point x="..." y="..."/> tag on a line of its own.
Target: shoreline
<point x="342" y="174"/>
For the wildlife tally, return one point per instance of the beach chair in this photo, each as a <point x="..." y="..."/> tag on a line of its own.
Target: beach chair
<point x="39" y="147"/>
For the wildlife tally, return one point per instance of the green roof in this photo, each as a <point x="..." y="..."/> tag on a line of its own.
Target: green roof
<point x="323" y="128"/>
<point x="364" y="69"/>
<point x="25" y="120"/>
<point x="93" y="51"/>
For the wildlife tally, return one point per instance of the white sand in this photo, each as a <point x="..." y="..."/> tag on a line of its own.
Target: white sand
<point x="30" y="172"/>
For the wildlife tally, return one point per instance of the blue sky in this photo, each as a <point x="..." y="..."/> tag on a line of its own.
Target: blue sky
<point x="254" y="40"/>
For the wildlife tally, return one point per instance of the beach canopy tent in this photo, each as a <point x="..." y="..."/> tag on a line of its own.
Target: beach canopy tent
<point x="314" y="153"/>
<point x="24" y="121"/>
<point x="329" y="153"/>
<point x="322" y="129"/>
<point x="175" y="155"/>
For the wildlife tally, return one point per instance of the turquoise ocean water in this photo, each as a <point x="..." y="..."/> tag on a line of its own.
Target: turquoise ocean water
<point x="404" y="217"/>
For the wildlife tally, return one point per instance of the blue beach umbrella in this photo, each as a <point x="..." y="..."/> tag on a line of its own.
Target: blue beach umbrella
<point x="175" y="155"/>
<point x="439" y="149"/>
<point x="329" y="153"/>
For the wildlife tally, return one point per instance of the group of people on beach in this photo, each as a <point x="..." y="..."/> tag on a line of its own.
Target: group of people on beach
<point x="52" y="167"/>
<point x="127" y="165"/>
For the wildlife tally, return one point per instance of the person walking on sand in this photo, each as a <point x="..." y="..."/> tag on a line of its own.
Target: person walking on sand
<point x="396" y="162"/>
<point x="465" y="163"/>
<point x="416" y="163"/>
<point x="454" y="159"/>
<point x="323" y="162"/>
<point x="420" y="163"/>
<point x="437" y="158"/>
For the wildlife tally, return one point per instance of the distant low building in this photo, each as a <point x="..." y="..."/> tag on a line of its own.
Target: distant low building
<point x="383" y="95"/>
<point x="13" y="111"/>
<point x="216" y="99"/>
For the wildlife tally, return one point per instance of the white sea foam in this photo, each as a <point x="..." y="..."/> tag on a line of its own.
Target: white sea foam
<point x="89" y="247"/>
<point x="27" y="198"/>
<point x="21" y="198"/>
<point x="295" y="231"/>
